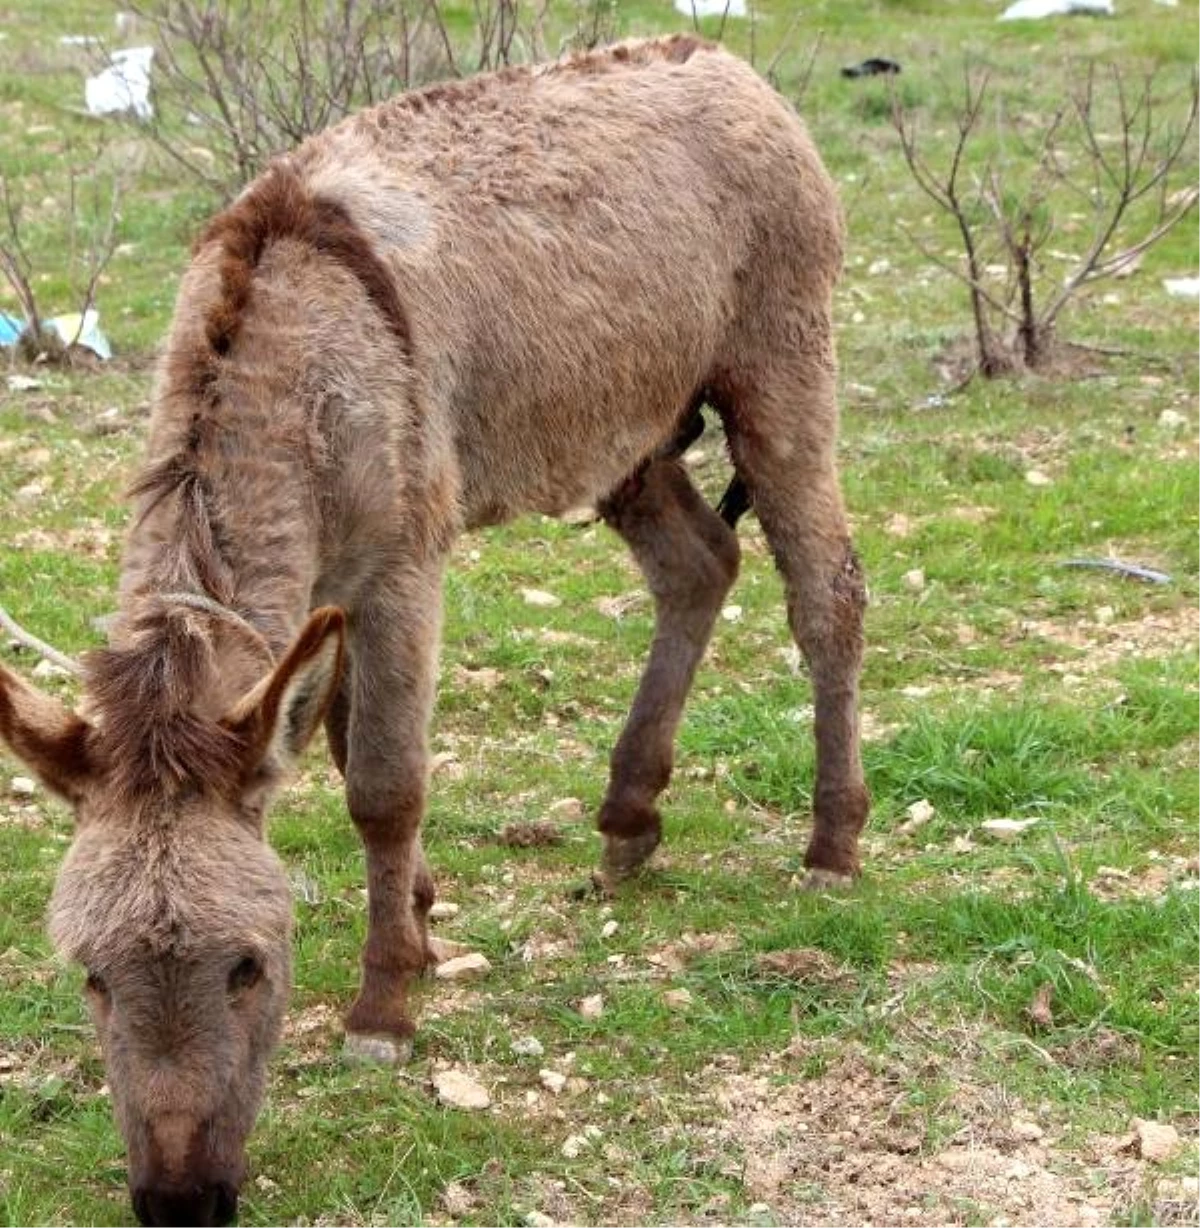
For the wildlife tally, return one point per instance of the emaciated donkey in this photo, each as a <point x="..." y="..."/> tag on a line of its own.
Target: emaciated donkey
<point x="502" y="295"/>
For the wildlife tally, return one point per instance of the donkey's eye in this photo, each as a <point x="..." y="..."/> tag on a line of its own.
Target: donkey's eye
<point x="245" y="974"/>
<point x="95" y="984"/>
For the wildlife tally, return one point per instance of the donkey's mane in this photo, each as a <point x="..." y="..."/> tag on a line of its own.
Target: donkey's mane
<point x="149" y="691"/>
<point x="151" y="738"/>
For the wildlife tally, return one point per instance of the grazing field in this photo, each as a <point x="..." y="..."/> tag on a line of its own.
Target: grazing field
<point x="965" y="1037"/>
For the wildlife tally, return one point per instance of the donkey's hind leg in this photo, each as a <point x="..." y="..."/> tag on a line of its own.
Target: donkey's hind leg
<point x="781" y="427"/>
<point x="689" y="557"/>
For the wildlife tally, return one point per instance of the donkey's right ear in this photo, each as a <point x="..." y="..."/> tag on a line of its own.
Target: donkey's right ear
<point x="46" y="736"/>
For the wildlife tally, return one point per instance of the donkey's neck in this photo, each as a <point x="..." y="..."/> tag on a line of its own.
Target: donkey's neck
<point x="226" y="523"/>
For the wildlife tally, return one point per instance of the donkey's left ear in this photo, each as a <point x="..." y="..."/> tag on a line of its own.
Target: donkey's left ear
<point x="279" y="716"/>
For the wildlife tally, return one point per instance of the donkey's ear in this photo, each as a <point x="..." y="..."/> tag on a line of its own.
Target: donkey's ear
<point x="46" y="736"/>
<point x="279" y="716"/>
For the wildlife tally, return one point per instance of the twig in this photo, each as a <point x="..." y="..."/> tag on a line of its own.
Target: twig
<point x="31" y="641"/>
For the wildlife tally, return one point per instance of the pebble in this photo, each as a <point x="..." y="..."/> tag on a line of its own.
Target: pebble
<point x="1006" y="830"/>
<point x="677" y="999"/>
<point x="463" y="968"/>
<point x="460" y="1091"/>
<point x="915" y="579"/>
<point x="592" y="1007"/>
<point x="536" y="596"/>
<point x="1028" y="1130"/>
<point x="527" y="1046"/>
<point x="23" y="786"/>
<point x="1156" y="1142"/>
<point x="443" y="910"/>
<point x="552" y="1080"/>
<point x="609" y="929"/>
<point x="566" y="808"/>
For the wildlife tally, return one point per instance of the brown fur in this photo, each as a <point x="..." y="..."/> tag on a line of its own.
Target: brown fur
<point x="496" y="296"/>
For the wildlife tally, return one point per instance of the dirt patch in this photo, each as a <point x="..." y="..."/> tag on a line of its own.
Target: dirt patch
<point x="528" y="835"/>
<point x="853" y="1145"/>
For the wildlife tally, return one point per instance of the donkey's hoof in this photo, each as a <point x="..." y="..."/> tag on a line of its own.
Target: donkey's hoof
<point x="377" y="1049"/>
<point x="818" y="879"/>
<point x="625" y="855"/>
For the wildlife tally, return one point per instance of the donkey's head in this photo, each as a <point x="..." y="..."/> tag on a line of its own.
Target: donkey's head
<point x="178" y="910"/>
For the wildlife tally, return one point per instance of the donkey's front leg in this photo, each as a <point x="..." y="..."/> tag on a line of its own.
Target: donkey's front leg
<point x="393" y="650"/>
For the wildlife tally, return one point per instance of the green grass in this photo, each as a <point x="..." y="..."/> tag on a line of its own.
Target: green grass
<point x="1006" y="685"/>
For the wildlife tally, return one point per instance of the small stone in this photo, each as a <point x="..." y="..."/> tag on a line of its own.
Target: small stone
<point x="1035" y="477"/>
<point x="457" y="1199"/>
<point x="443" y="910"/>
<point x="1028" y="1131"/>
<point x="1105" y="615"/>
<point x="552" y="1080"/>
<point x="527" y="1046"/>
<point x="463" y="968"/>
<point x="1172" y="420"/>
<point x="445" y="761"/>
<point x="566" y="808"/>
<point x="264" y="1183"/>
<point x="535" y="1219"/>
<point x="460" y="1091"/>
<point x="377" y="1050"/>
<point x="915" y="579"/>
<point x="536" y="596"/>
<point x="677" y="999"/>
<point x="919" y="813"/>
<point x="899" y="525"/>
<point x="1006" y="830"/>
<point x="1156" y="1142"/>
<point x="609" y="929"/>
<point x="574" y="1145"/>
<point x="23" y="786"/>
<point x="592" y="1007"/>
<point x="732" y="613"/>
<point x="48" y="669"/>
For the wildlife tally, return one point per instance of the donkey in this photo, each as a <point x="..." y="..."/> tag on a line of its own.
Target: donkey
<point x="506" y="294"/>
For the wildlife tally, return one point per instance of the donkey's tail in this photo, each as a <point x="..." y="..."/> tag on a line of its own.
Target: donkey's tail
<point x="735" y="502"/>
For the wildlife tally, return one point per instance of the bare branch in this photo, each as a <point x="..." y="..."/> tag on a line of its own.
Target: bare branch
<point x="31" y="641"/>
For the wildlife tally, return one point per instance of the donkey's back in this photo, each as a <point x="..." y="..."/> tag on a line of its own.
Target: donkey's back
<point x="583" y="248"/>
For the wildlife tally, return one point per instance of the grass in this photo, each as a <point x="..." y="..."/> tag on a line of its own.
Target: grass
<point x="1001" y="684"/>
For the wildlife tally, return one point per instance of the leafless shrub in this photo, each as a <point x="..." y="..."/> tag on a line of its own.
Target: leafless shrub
<point x="83" y="206"/>
<point x="1109" y="158"/>
<point x="236" y="83"/>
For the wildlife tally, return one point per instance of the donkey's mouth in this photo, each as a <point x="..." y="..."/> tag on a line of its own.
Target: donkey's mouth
<point x="211" y="1206"/>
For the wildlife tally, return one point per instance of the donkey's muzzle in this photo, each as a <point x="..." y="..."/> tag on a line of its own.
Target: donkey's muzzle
<point x="204" y="1206"/>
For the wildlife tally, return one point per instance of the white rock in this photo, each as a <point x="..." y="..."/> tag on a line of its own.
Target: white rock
<point x="48" y="669"/>
<point x="732" y="613"/>
<point x="535" y="1219"/>
<point x="919" y="813"/>
<point x="1176" y="287"/>
<point x="1172" y="420"/>
<point x="1007" y="830"/>
<point x="609" y="929"/>
<point x="566" y="808"/>
<point x="915" y="579"/>
<point x="574" y="1144"/>
<point x="1035" y="477"/>
<point x="677" y="999"/>
<point x="443" y="910"/>
<point x="460" y="1091"/>
<point x="23" y="786"/>
<point x="1156" y="1142"/>
<point x="552" y="1080"/>
<point x="463" y="968"/>
<point x="592" y="1007"/>
<point x="536" y="596"/>
<point x="527" y="1046"/>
